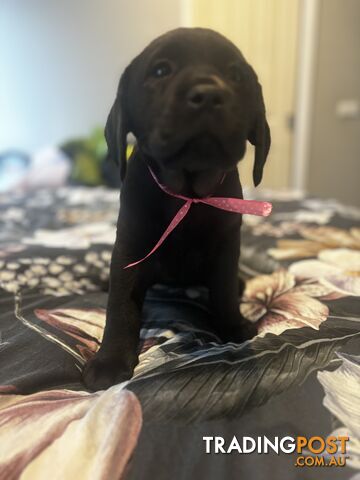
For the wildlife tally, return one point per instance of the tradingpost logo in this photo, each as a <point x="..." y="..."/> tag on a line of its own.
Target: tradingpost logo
<point x="313" y="451"/>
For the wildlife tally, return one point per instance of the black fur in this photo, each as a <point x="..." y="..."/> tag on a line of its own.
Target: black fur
<point x="192" y="102"/>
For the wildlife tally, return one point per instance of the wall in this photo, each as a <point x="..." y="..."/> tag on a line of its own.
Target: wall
<point x="60" y="62"/>
<point x="266" y="32"/>
<point x="334" y="163"/>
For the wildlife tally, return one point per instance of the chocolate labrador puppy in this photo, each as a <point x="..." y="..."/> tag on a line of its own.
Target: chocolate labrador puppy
<point x="192" y="101"/>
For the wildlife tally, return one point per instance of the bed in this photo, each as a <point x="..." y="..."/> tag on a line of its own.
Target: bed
<point x="299" y="376"/>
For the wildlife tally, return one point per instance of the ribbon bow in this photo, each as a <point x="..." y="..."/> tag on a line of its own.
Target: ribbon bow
<point x="235" y="205"/>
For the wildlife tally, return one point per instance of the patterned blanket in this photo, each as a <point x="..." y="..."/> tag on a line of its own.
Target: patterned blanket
<point x="302" y="267"/>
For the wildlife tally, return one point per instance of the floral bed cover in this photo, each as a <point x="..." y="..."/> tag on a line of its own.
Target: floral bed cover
<point x="302" y="267"/>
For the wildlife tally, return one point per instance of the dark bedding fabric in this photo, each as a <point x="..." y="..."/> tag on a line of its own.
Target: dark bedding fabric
<point x="303" y="284"/>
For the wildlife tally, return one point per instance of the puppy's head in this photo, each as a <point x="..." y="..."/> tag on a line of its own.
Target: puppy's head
<point x="192" y="101"/>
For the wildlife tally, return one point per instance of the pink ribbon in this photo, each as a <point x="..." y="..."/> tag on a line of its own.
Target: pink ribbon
<point x="235" y="205"/>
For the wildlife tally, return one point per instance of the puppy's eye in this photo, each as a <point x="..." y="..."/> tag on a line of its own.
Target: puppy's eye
<point x="236" y="73"/>
<point x="161" y="69"/>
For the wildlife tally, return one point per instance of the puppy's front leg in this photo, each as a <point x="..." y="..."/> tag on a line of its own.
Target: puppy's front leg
<point x="224" y="292"/>
<point x="117" y="357"/>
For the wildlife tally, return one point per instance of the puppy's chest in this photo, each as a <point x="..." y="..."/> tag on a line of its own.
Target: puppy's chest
<point x="202" y="226"/>
<point x="187" y="253"/>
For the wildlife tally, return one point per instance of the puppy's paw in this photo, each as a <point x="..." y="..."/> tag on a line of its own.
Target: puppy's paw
<point x="101" y="372"/>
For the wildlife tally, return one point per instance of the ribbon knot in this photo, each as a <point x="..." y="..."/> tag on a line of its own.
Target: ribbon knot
<point x="234" y="205"/>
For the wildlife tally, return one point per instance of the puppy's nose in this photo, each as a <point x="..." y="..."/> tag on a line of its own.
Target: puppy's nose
<point x="206" y="96"/>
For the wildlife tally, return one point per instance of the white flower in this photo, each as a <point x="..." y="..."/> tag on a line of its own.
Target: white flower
<point x="55" y="268"/>
<point x="38" y="269"/>
<point x="60" y="292"/>
<point x="99" y="264"/>
<point x="64" y="260"/>
<point x="11" y="287"/>
<point x="106" y="255"/>
<point x="51" y="281"/>
<point x="6" y="275"/>
<point x="336" y="268"/>
<point x="80" y="268"/>
<point x="66" y="277"/>
<point x="91" y="257"/>
<point x="22" y="279"/>
<point x="342" y="397"/>
<point x="278" y="303"/>
<point x="41" y="261"/>
<point x="33" y="282"/>
<point x="26" y="261"/>
<point x="12" y="266"/>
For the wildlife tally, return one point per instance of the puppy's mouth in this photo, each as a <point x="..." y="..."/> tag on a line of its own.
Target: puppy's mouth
<point x="194" y="165"/>
<point x="195" y="168"/>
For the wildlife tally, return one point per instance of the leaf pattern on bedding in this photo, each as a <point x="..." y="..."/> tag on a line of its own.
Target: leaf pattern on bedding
<point x="85" y="326"/>
<point x="208" y="381"/>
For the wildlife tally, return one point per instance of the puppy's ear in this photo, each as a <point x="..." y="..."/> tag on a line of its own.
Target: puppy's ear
<point x="117" y="127"/>
<point x="260" y="137"/>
